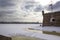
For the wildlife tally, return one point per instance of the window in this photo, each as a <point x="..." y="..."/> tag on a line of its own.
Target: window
<point x="52" y="19"/>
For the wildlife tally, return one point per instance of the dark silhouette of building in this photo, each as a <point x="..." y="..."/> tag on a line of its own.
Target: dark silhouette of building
<point x="51" y="19"/>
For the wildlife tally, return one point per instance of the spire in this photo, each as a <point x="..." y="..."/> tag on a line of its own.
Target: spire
<point x="51" y="6"/>
<point x="43" y="12"/>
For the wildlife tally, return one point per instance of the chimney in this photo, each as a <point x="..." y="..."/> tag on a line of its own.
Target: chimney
<point x="43" y="12"/>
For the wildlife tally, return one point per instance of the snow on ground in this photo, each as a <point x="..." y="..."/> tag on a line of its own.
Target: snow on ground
<point x="12" y="29"/>
<point x="21" y="29"/>
<point x="46" y="28"/>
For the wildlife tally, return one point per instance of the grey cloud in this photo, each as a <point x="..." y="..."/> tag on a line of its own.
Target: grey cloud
<point x="6" y="12"/>
<point x="30" y="2"/>
<point x="3" y="13"/>
<point x="38" y="8"/>
<point x="32" y="6"/>
<point x="5" y="3"/>
<point x="56" y="7"/>
<point x="26" y="8"/>
<point x="28" y="5"/>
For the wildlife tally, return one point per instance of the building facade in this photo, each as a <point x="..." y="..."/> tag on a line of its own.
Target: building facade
<point x="51" y="19"/>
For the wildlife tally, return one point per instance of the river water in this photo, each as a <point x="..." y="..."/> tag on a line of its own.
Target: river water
<point x="14" y="29"/>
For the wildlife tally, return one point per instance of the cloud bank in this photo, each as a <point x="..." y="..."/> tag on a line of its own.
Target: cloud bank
<point x="55" y="7"/>
<point x="21" y="10"/>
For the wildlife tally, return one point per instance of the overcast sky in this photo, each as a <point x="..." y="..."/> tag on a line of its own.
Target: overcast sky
<point x="25" y="10"/>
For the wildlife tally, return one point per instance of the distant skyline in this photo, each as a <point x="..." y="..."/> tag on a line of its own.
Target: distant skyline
<point x="26" y="10"/>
